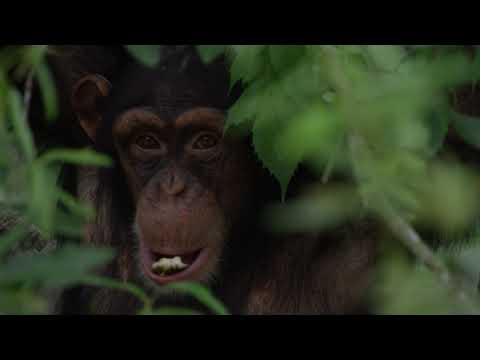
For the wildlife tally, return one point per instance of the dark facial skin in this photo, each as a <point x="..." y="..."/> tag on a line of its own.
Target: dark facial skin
<point x="187" y="180"/>
<point x="176" y="173"/>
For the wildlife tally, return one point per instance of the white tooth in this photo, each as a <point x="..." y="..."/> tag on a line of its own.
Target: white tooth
<point x="168" y="264"/>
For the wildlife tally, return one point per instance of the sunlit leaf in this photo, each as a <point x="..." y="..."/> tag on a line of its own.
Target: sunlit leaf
<point x="248" y="62"/>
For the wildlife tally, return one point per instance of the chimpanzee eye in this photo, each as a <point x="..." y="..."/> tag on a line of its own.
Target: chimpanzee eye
<point x="205" y="141"/>
<point x="147" y="142"/>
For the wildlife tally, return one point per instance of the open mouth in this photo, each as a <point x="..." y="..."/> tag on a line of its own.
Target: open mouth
<point x="170" y="266"/>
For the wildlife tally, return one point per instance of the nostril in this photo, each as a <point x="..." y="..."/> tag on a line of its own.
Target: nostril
<point x="174" y="185"/>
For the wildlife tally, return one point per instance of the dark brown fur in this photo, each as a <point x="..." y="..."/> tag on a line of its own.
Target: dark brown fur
<point x="259" y="273"/>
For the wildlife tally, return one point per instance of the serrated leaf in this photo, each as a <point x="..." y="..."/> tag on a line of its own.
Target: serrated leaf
<point x="265" y="136"/>
<point x="247" y="106"/>
<point x="208" y="53"/>
<point x="248" y="63"/>
<point x="319" y="128"/>
<point x="147" y="54"/>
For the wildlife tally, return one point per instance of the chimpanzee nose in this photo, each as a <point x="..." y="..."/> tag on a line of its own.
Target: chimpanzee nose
<point x="174" y="184"/>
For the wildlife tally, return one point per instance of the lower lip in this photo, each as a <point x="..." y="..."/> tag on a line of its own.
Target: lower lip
<point x="189" y="274"/>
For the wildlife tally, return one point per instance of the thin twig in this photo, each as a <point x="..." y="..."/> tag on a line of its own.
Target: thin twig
<point x="407" y="234"/>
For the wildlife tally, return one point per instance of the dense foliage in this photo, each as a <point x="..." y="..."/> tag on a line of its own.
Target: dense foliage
<point x="376" y="114"/>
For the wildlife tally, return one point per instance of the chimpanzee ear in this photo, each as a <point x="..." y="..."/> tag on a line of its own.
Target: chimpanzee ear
<point x="86" y="93"/>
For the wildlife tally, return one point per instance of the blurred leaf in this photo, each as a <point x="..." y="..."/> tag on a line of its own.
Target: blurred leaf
<point x="468" y="127"/>
<point x="208" y="53"/>
<point x="117" y="285"/>
<point x="386" y="57"/>
<point x="19" y="123"/>
<point x="450" y="197"/>
<point x="11" y="237"/>
<point x="402" y="288"/>
<point x="70" y="225"/>
<point x="48" y="91"/>
<point x="75" y="207"/>
<point x="43" y="199"/>
<point x="438" y="124"/>
<point x="76" y="157"/>
<point x="171" y="311"/>
<point x="68" y="266"/>
<point x="149" y="55"/>
<point x="283" y="57"/>
<point x="319" y="210"/>
<point x="21" y="302"/>
<point x="202" y="294"/>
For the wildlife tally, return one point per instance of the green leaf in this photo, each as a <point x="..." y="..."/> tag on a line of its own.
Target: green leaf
<point x="70" y="225"/>
<point x="248" y="63"/>
<point x="149" y="55"/>
<point x="468" y="127"/>
<point x="75" y="157"/>
<point x="208" y="53"/>
<point x="247" y="106"/>
<point x="42" y="206"/>
<point x="386" y="57"/>
<point x="48" y="91"/>
<point x="280" y="164"/>
<point x="323" y="209"/>
<point x="68" y="266"/>
<point x="283" y="57"/>
<point x="438" y="123"/>
<point x="20" y="127"/>
<point x="171" y="311"/>
<point x="202" y="294"/>
<point x="10" y="238"/>
<point x="22" y="302"/>
<point x="117" y="285"/>
<point x="75" y="206"/>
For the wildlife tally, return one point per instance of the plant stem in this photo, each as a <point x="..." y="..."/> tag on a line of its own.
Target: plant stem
<point x="405" y="232"/>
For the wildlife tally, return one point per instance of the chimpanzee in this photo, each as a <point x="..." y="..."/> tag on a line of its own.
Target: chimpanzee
<point x="183" y="199"/>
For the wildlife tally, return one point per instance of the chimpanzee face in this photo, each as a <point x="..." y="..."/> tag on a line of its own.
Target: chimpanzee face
<point x="187" y="179"/>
